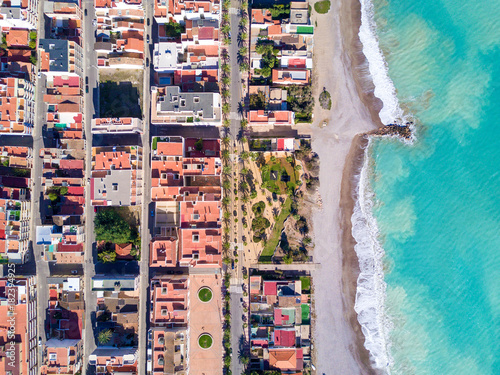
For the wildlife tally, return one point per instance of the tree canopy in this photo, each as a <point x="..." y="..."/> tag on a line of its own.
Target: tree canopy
<point x="111" y="227"/>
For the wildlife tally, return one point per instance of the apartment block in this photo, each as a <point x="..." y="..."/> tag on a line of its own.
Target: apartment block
<point x="186" y="189"/>
<point x="17" y="106"/>
<point x="60" y="56"/>
<point x="170" y="105"/>
<point x="123" y="125"/>
<point x="18" y="330"/>
<point x="116" y="176"/>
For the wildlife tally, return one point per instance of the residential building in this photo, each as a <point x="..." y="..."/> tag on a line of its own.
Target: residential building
<point x="18" y="330"/>
<point x="17" y="106"/>
<point x="267" y="118"/>
<point x="122" y="125"/>
<point x="120" y="34"/>
<point x="65" y="20"/>
<point x="15" y="203"/>
<point x="111" y="360"/>
<point x="62" y="357"/>
<point x="57" y="56"/>
<point x="64" y="323"/>
<point x="115" y="283"/>
<point x="291" y="76"/>
<point x="186" y="189"/>
<point x="170" y="105"/>
<point x="19" y="14"/>
<point x="116" y="176"/>
<point x="280" y="317"/>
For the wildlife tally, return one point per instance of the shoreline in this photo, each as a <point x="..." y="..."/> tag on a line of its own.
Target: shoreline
<point x="339" y="349"/>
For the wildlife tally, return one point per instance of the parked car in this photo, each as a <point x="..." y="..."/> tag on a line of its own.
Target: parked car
<point x="94" y="23"/>
<point x="147" y="39"/>
<point x="152" y="213"/>
<point x="86" y="12"/>
<point x="148" y="21"/>
<point x="87" y="89"/>
<point x="87" y="80"/>
<point x="74" y="272"/>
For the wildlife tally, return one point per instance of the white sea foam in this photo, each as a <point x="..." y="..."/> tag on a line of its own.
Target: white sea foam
<point x="371" y="288"/>
<point x="391" y="111"/>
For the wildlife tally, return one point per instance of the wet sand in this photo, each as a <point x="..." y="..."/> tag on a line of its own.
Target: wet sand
<point x="341" y="68"/>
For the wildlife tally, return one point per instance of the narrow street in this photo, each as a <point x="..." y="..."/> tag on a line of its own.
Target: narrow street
<point x="42" y="267"/>
<point x="91" y="109"/>
<point x="146" y="196"/>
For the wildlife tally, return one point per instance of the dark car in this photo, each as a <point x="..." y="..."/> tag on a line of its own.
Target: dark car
<point x="87" y="89"/>
<point x="87" y="80"/>
<point x="147" y="61"/>
<point x="152" y="213"/>
<point x="85" y="11"/>
<point x="147" y="39"/>
<point x="148" y="21"/>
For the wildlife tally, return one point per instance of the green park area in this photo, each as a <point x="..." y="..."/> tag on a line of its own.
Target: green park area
<point x="116" y="225"/>
<point x="205" y="294"/>
<point x="279" y="175"/>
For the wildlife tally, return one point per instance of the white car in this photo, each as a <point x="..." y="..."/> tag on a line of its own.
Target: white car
<point x="39" y="74"/>
<point x="94" y="23"/>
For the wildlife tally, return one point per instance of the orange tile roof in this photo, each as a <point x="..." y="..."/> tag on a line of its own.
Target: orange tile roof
<point x="17" y="37"/>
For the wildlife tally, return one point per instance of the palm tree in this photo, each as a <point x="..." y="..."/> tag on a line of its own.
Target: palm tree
<point x="225" y="141"/>
<point x="225" y="154"/>
<point x="244" y="66"/>
<point x="225" y="94"/>
<point x="243" y="139"/>
<point x="226" y="68"/>
<point x="225" y="29"/>
<point x="243" y="51"/>
<point x="226" y="185"/>
<point x="243" y="123"/>
<point x="226" y="108"/>
<point x="244" y="36"/>
<point x="225" y="80"/>
<point x="104" y="336"/>
<point x="226" y="123"/>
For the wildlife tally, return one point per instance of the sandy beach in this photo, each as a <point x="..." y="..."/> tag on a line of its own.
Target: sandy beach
<point x="340" y="67"/>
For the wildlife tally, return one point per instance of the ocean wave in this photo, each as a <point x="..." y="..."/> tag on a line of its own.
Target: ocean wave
<point x="371" y="287"/>
<point x="391" y="111"/>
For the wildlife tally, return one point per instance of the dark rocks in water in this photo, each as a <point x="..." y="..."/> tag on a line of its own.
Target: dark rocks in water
<point x="399" y="130"/>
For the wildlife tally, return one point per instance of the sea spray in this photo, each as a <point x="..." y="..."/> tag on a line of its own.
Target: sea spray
<point x="371" y="288"/>
<point x="384" y="87"/>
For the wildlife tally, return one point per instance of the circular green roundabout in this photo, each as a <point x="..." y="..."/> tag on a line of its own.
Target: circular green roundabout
<point x="205" y="294"/>
<point x="205" y="341"/>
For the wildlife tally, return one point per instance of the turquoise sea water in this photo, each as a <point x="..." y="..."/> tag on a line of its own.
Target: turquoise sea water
<point x="437" y="202"/>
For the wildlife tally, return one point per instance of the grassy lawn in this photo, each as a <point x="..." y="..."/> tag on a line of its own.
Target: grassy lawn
<point x="306" y="284"/>
<point x="155" y="142"/>
<point x="205" y="294"/>
<point x="271" y="244"/>
<point x="322" y="7"/>
<point x="278" y="175"/>
<point x="205" y="341"/>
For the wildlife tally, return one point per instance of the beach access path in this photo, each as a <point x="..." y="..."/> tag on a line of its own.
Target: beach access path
<point x="338" y="341"/>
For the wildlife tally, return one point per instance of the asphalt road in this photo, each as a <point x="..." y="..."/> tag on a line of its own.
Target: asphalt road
<point x="146" y="194"/>
<point x="236" y="294"/>
<point x="42" y="267"/>
<point x="90" y="110"/>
